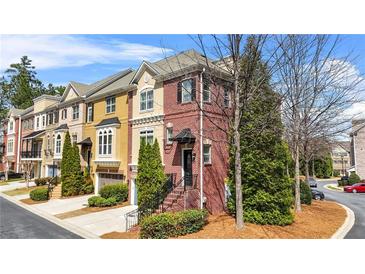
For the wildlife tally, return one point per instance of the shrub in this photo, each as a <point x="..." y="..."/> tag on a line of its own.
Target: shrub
<point x="42" y="181"/>
<point x="342" y="182"/>
<point x="97" y="201"/>
<point x="118" y="191"/>
<point x="87" y="187"/>
<point x="165" y="225"/>
<point x="354" y="179"/>
<point x="305" y="193"/>
<point x="39" y="194"/>
<point x="336" y="173"/>
<point x="72" y="184"/>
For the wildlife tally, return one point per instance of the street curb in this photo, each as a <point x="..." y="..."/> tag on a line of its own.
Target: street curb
<point x="328" y="180"/>
<point x="347" y="225"/>
<point x="333" y="185"/>
<point x="70" y="227"/>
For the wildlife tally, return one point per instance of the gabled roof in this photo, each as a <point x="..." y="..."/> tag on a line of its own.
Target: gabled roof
<point x="109" y="121"/>
<point x="15" y="112"/>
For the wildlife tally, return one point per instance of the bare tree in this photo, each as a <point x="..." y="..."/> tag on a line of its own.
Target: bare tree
<point x="317" y="88"/>
<point x="27" y="167"/>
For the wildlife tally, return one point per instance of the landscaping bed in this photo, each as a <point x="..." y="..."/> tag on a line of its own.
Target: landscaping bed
<point x="21" y="191"/>
<point x="29" y="201"/>
<point x="86" y="210"/>
<point x="317" y="221"/>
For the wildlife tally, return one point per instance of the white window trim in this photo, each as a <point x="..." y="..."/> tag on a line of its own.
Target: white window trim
<point x="229" y="98"/>
<point x="210" y="154"/>
<point x="110" y="105"/>
<point x="145" y="90"/>
<point x="113" y="134"/>
<point x="56" y="139"/>
<point x="183" y="89"/>
<point x="147" y="129"/>
<point x="89" y="110"/>
<point x="169" y="142"/>
<point x="74" y="112"/>
<point x="209" y="92"/>
<point x="10" y="141"/>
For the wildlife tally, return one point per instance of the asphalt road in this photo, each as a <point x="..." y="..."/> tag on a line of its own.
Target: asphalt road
<point x="19" y="223"/>
<point x="354" y="201"/>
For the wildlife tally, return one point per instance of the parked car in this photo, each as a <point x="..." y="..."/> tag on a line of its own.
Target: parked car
<point x="11" y="175"/>
<point x="317" y="195"/>
<point x="359" y="187"/>
<point x="312" y="183"/>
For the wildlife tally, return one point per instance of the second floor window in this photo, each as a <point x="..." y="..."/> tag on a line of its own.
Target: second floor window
<point x="206" y="90"/>
<point x="105" y="142"/>
<point x="64" y="114"/>
<point x="147" y="136"/>
<point x="58" y="144"/>
<point x="169" y="135"/>
<point x="186" y="91"/>
<point x="37" y="122"/>
<point x="90" y="114"/>
<point x="110" y="104"/>
<point x="146" y="100"/>
<point x="75" y="112"/>
<point x="207" y="154"/>
<point x="11" y="146"/>
<point x="226" y="98"/>
<point x="11" y="126"/>
<point x="43" y="121"/>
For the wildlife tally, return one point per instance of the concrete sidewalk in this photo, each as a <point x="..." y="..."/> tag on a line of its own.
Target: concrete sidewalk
<point x="103" y="222"/>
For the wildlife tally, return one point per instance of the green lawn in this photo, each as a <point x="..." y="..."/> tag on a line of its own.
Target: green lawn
<point x="21" y="191"/>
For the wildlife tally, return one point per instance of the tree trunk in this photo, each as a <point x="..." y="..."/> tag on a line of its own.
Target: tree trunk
<point x="237" y="159"/>
<point x="298" y="206"/>
<point x="306" y="171"/>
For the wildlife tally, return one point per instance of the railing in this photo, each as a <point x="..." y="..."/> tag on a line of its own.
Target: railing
<point x="31" y="154"/>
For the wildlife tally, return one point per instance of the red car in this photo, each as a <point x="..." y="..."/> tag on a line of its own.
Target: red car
<point x="360" y="187"/>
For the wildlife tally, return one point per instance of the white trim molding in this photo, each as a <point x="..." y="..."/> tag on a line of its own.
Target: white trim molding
<point x="149" y="119"/>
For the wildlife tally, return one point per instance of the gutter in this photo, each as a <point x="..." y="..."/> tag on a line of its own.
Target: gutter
<point x="201" y="140"/>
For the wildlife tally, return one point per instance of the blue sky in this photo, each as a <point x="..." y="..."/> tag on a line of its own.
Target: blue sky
<point x="88" y="58"/>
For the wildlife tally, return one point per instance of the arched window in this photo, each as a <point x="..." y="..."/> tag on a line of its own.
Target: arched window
<point x="58" y="144"/>
<point x="105" y="142"/>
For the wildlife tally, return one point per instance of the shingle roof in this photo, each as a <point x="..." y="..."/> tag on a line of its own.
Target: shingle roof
<point x="80" y="87"/>
<point x="34" y="134"/>
<point x="185" y="136"/>
<point x="108" y="121"/>
<point x="87" y="142"/>
<point x="61" y="127"/>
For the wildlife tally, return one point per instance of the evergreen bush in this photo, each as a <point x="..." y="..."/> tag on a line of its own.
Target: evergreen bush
<point x="97" y="201"/>
<point x="305" y="193"/>
<point x="165" y="225"/>
<point x="354" y="178"/>
<point x="39" y="194"/>
<point x="42" y="181"/>
<point x="118" y="191"/>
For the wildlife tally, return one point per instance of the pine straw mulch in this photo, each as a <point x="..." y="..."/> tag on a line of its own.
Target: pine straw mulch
<point x="29" y="201"/>
<point x="87" y="210"/>
<point x="318" y="221"/>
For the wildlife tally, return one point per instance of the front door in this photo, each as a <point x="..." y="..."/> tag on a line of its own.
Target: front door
<point x="188" y="167"/>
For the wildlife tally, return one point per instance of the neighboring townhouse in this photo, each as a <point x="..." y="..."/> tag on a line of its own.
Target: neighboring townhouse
<point x="12" y="126"/>
<point x="174" y="104"/>
<point x="105" y="143"/>
<point x="26" y="147"/>
<point x="357" y="147"/>
<point x="2" y="149"/>
<point x="341" y="157"/>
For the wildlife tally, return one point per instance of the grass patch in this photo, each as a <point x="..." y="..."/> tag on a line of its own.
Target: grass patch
<point x="21" y="191"/>
<point x="86" y="210"/>
<point x="3" y="183"/>
<point x="20" y="180"/>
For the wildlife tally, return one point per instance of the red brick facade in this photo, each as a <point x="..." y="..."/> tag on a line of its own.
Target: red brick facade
<point x="187" y="115"/>
<point x="12" y="159"/>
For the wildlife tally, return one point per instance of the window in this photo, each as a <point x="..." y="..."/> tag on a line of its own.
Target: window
<point x="25" y="124"/>
<point x="64" y="114"/>
<point x="169" y="135"/>
<point x="146" y="102"/>
<point x="206" y="91"/>
<point x="48" y="143"/>
<point x="105" y="142"/>
<point x="11" y="126"/>
<point x="37" y="122"/>
<point x="110" y="104"/>
<point x="90" y="114"/>
<point x="226" y="98"/>
<point x="43" y="120"/>
<point x="186" y="90"/>
<point x="58" y="144"/>
<point x="74" y="138"/>
<point x="75" y="112"/>
<point x="207" y="154"/>
<point x="147" y="136"/>
<point x="11" y="146"/>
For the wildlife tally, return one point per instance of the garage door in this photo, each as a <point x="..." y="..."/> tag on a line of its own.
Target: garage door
<point x="110" y="178"/>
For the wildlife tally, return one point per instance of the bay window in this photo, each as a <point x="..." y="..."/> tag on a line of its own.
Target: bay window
<point x="105" y="138"/>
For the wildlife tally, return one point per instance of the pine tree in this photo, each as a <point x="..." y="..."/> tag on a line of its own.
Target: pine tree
<point x="266" y="187"/>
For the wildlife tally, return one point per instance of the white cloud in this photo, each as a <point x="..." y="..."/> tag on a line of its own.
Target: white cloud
<point x="55" y="51"/>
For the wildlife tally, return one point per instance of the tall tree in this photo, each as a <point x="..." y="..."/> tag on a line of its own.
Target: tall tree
<point x="67" y="153"/>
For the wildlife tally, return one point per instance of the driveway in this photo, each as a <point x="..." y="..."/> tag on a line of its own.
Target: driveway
<point x="103" y="222"/>
<point x="18" y="223"/>
<point x="355" y="201"/>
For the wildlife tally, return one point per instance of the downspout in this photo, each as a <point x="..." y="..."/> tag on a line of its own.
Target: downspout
<point x="18" y="149"/>
<point x="201" y="139"/>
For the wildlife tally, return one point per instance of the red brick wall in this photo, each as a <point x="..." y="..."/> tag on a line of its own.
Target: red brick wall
<point x="187" y="115"/>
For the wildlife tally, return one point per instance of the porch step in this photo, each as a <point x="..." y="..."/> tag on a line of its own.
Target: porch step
<point x="56" y="192"/>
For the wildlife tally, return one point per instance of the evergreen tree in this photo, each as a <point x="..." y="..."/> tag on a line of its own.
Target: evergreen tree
<point x="266" y="186"/>
<point x="66" y="162"/>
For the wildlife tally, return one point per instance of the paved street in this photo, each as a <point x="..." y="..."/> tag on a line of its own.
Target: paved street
<point x="18" y="223"/>
<point x="355" y="201"/>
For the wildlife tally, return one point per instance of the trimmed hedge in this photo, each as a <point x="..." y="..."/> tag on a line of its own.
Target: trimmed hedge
<point x="165" y="225"/>
<point x="118" y="191"/>
<point x="39" y="194"/>
<point x="42" y="181"/>
<point x="97" y="201"/>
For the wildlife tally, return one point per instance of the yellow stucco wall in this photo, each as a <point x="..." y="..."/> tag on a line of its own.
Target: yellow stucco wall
<point x="120" y="139"/>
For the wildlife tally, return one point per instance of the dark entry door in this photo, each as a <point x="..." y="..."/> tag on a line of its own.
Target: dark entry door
<point x="188" y="168"/>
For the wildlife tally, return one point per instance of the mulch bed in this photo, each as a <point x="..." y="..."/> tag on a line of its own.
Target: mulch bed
<point x="87" y="210"/>
<point x="318" y="221"/>
<point x="29" y="201"/>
